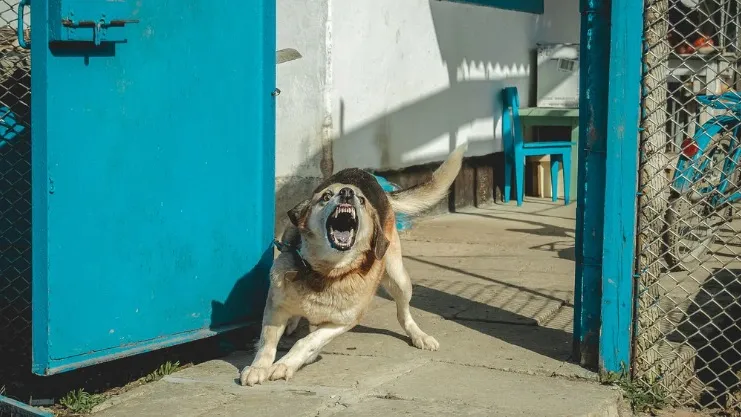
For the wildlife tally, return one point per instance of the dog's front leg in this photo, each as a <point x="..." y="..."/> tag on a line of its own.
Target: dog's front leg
<point x="273" y="324"/>
<point x="304" y="350"/>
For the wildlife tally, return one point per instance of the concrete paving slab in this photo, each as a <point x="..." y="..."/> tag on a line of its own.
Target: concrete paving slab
<point x="509" y="394"/>
<point x="437" y="261"/>
<point x="562" y="320"/>
<point x="376" y="407"/>
<point x="330" y="371"/>
<point x="272" y="405"/>
<point x="492" y="302"/>
<point x="162" y="398"/>
<point x="522" y="348"/>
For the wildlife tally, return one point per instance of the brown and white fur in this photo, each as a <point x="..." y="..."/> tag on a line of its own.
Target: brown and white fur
<point x="342" y="268"/>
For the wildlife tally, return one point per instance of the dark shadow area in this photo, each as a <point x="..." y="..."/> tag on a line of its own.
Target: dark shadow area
<point x="712" y="326"/>
<point x="507" y="326"/>
<point x="20" y="384"/>
<point x="246" y="300"/>
<point x="564" y="249"/>
<point x="544" y="229"/>
<point x="84" y="50"/>
<point x="15" y="225"/>
<point x="485" y="278"/>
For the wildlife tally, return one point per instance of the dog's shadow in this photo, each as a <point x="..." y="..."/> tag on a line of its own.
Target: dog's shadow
<point x="505" y="325"/>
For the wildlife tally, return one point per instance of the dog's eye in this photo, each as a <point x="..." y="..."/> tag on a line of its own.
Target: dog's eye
<point x="362" y="200"/>
<point x="326" y="196"/>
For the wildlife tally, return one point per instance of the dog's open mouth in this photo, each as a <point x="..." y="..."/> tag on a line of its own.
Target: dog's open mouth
<point x="342" y="225"/>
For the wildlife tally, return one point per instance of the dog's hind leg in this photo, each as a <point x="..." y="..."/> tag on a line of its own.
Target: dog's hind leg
<point x="398" y="284"/>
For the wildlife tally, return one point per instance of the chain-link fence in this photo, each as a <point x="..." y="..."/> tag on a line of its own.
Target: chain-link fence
<point x="15" y="203"/>
<point x="688" y="332"/>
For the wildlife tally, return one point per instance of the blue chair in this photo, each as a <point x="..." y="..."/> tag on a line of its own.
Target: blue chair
<point x="516" y="150"/>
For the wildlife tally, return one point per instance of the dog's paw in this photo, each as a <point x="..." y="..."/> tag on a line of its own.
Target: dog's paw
<point x="253" y="375"/>
<point x="425" y="342"/>
<point x="280" y="371"/>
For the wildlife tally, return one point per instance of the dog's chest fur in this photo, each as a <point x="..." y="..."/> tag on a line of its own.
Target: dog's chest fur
<point x="340" y="301"/>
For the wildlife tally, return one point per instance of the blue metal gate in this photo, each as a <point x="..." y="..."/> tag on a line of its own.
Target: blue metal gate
<point x="152" y="173"/>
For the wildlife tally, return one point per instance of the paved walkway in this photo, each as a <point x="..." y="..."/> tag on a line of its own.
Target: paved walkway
<point x="494" y="286"/>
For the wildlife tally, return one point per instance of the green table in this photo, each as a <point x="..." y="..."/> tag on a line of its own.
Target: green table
<point x="540" y="116"/>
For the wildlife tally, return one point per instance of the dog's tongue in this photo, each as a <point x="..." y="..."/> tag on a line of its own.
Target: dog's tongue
<point x="342" y="236"/>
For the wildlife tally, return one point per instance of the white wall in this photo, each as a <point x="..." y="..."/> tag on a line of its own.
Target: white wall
<point x="559" y="23"/>
<point x="300" y="111"/>
<point x="397" y="82"/>
<point x="413" y="78"/>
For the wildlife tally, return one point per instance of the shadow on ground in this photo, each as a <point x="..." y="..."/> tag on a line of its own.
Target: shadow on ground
<point x="564" y="247"/>
<point x="493" y="321"/>
<point x="712" y="328"/>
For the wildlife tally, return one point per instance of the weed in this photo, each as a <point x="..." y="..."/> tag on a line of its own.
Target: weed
<point x="165" y="369"/>
<point x="80" y="401"/>
<point x="643" y="397"/>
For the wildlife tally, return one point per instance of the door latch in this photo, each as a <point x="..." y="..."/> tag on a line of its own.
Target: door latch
<point x="99" y="30"/>
<point x="90" y="21"/>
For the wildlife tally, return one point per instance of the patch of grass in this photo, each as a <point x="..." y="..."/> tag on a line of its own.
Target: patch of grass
<point x="165" y="369"/>
<point x="81" y="401"/>
<point x="643" y="396"/>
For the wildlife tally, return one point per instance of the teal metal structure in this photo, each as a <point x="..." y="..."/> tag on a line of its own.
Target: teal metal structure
<point x="608" y="166"/>
<point x="153" y="174"/>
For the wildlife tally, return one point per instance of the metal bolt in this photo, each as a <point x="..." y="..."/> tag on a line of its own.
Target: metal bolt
<point x="275" y="92"/>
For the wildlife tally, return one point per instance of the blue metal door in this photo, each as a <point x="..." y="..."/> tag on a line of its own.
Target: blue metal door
<point x="153" y="173"/>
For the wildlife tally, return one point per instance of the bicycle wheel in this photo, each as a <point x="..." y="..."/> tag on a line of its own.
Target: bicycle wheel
<point x="692" y="220"/>
<point x="691" y="229"/>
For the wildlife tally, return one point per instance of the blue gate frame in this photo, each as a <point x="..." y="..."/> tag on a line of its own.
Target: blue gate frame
<point x="610" y="96"/>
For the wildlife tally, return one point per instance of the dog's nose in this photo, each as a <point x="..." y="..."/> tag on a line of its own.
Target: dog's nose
<point x="347" y="194"/>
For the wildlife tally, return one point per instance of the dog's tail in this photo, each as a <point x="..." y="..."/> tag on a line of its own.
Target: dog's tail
<point x="421" y="197"/>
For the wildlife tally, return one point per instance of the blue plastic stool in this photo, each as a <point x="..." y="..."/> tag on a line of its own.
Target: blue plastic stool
<point x="402" y="221"/>
<point x="516" y="150"/>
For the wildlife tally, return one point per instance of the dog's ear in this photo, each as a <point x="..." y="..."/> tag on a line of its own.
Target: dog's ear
<point x="380" y="243"/>
<point x="298" y="214"/>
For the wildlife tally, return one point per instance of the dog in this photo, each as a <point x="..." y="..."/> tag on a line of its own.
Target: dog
<point x="340" y="245"/>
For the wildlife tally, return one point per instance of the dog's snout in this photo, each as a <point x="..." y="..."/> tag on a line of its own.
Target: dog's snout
<point x="347" y="194"/>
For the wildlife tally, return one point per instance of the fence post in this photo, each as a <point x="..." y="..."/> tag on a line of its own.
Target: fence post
<point x="621" y="185"/>
<point x="594" y="44"/>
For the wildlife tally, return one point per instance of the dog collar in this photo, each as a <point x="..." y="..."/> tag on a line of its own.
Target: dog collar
<point x="284" y="247"/>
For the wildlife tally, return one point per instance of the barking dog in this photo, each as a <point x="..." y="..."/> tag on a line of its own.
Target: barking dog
<point x="334" y="255"/>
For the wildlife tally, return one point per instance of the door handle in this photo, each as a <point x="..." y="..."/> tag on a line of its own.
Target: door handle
<point x="19" y="31"/>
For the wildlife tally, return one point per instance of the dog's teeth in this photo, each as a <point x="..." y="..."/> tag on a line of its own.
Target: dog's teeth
<point x="352" y="212"/>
